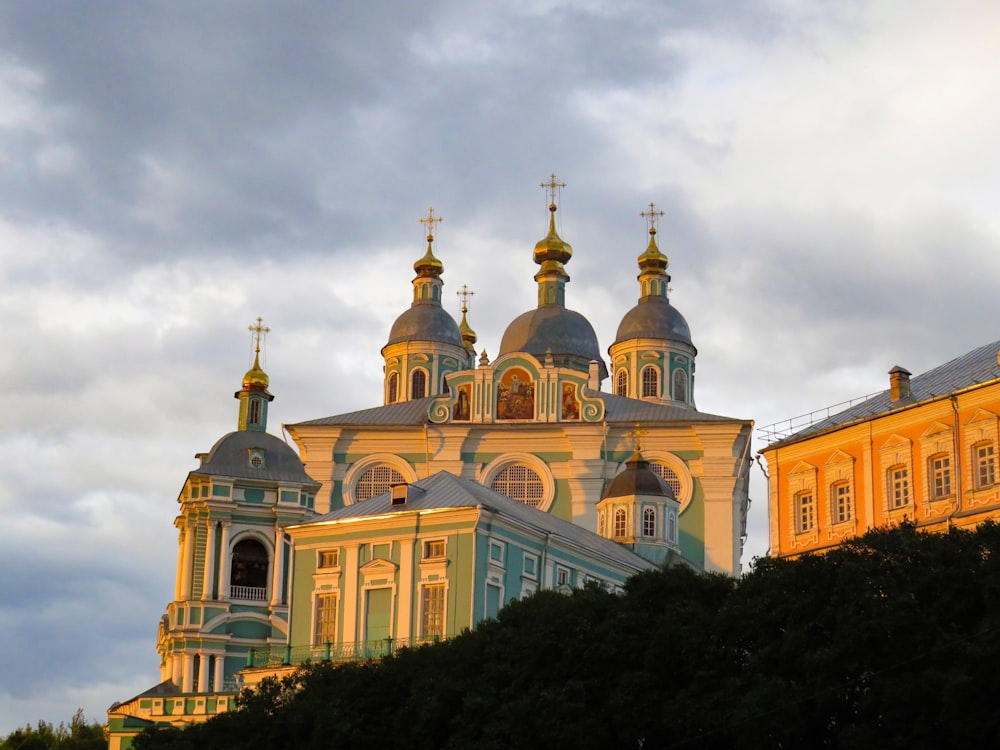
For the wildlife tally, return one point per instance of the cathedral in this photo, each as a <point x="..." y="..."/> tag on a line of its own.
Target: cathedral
<point x="473" y="483"/>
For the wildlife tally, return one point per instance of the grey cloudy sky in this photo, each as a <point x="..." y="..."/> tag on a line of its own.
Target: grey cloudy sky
<point x="829" y="173"/>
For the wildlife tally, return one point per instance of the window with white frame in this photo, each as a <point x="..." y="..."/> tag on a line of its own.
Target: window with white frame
<point x="432" y="610"/>
<point x="650" y="382"/>
<point x="621" y="382"/>
<point x="392" y="389"/>
<point x="671" y="527"/>
<point x="434" y="548"/>
<point x="520" y="483"/>
<point x="497" y="552"/>
<point x="329" y="558"/>
<point x="326" y="619"/>
<point x="805" y="512"/>
<point x="375" y="481"/>
<point x="939" y="476"/>
<point x="418" y="384"/>
<point x="530" y="566"/>
<point x="841" y="502"/>
<point x="984" y="465"/>
<point x="562" y="576"/>
<point x="255" y="411"/>
<point x="899" y="486"/>
<point x="649" y="522"/>
<point x="620" y="523"/>
<point x="680" y="378"/>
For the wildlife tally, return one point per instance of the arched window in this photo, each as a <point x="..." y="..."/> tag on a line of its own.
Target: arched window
<point x="680" y="379"/>
<point x="621" y="382"/>
<point x="650" y="382"/>
<point x="649" y="522"/>
<point x="520" y="483"/>
<point x="805" y="512"/>
<point x="418" y="384"/>
<point x="377" y="480"/>
<point x="619" y="523"/>
<point x="254" y="416"/>
<point x="841" y="502"/>
<point x="671" y="527"/>
<point x="898" y="479"/>
<point x="668" y="475"/>
<point x="939" y="476"/>
<point x="392" y="390"/>
<point x="248" y="571"/>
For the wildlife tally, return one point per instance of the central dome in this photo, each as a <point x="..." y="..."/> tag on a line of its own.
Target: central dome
<point x="551" y="328"/>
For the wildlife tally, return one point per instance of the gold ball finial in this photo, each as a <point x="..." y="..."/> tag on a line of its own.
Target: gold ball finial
<point x="256" y="376"/>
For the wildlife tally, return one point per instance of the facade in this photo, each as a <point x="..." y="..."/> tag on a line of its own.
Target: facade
<point x="471" y="484"/>
<point x="924" y="451"/>
<point x="534" y="424"/>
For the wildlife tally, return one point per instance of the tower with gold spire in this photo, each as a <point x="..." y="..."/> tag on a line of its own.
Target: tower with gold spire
<point x="652" y="357"/>
<point x="425" y="344"/>
<point x="254" y="396"/>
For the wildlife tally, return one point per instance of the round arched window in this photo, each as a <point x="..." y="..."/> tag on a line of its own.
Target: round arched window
<point x="520" y="483"/>
<point x="669" y="476"/>
<point x="375" y="481"/>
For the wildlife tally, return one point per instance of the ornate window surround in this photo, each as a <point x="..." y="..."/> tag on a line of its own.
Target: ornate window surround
<point x="489" y="472"/>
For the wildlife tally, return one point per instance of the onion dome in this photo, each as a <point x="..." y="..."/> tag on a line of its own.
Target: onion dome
<point x="426" y="320"/>
<point x="654" y="317"/>
<point x="639" y="479"/>
<point x="255" y="376"/>
<point x="551" y="328"/>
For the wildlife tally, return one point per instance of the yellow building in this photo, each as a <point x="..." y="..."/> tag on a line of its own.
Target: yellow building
<point x="924" y="450"/>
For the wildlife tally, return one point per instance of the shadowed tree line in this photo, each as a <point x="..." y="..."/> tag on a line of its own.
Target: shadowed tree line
<point x="892" y="641"/>
<point x="78" y="735"/>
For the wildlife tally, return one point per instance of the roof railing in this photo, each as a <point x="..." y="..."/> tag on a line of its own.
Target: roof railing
<point x="772" y="433"/>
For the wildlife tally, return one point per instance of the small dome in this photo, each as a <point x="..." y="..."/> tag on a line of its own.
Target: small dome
<point x="551" y="328"/>
<point x="426" y="322"/>
<point x="639" y="479"/>
<point x="255" y="376"/>
<point x="229" y="458"/>
<point x="654" y="318"/>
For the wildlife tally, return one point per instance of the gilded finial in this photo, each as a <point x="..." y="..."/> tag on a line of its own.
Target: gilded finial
<point x="553" y="186"/>
<point x="637" y="433"/>
<point x="255" y="375"/>
<point x="651" y="216"/>
<point x="464" y="294"/>
<point x="259" y="331"/>
<point x="430" y="221"/>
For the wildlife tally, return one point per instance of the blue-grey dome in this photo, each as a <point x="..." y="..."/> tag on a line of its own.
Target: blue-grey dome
<point x="654" y="318"/>
<point x="230" y="457"/>
<point x="638" y="479"/>
<point x="551" y="328"/>
<point x="426" y="322"/>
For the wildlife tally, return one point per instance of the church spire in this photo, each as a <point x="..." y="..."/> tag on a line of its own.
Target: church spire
<point x="551" y="253"/>
<point x="254" y="397"/>
<point x="654" y="281"/>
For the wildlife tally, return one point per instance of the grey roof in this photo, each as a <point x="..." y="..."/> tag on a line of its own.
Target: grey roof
<point x="425" y="321"/>
<point x="638" y="479"/>
<point x="552" y="328"/>
<point x="972" y="368"/>
<point x="654" y="318"/>
<point x="229" y="458"/>
<point x="444" y="490"/>
<point x="624" y="409"/>
<point x="616" y="409"/>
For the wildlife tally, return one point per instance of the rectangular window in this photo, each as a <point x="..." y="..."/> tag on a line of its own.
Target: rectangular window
<point x="329" y="558"/>
<point x="326" y="619"/>
<point x="805" y="512"/>
<point x="940" y="471"/>
<point x="434" y="548"/>
<point x="562" y="577"/>
<point x="843" y="507"/>
<point x="899" y="487"/>
<point x="985" y="466"/>
<point x="496" y="552"/>
<point x="530" y="566"/>
<point x="432" y="608"/>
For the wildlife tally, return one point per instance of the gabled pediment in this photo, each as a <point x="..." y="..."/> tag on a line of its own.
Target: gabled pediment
<point x="935" y="429"/>
<point x="982" y="415"/>
<point x="895" y="442"/>
<point x="802" y="468"/>
<point x="379" y="568"/>
<point x="838" y="457"/>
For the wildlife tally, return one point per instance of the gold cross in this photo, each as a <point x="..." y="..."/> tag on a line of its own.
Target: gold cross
<point x="465" y="293"/>
<point x="258" y="331"/>
<point x="651" y="216"/>
<point x="553" y="186"/>
<point x="637" y="433"/>
<point x="430" y="221"/>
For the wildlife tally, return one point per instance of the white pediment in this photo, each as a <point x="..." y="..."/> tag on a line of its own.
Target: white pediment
<point x="839" y="457"/>
<point x="936" y="428"/>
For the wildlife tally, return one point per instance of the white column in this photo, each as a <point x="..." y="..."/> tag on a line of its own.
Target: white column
<point x="206" y="589"/>
<point x="203" y="673"/>
<point x="406" y="586"/>
<point x="220" y="671"/>
<point x="351" y="602"/>
<point x="224" y="562"/>
<point x="278" y="573"/>
<point x="187" y="680"/>
<point x="188" y="557"/>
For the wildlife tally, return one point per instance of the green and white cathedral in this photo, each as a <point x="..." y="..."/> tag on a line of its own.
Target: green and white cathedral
<point x="473" y="483"/>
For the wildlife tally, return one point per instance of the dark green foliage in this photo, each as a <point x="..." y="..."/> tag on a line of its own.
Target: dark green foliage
<point x="78" y="735"/>
<point x="892" y="641"/>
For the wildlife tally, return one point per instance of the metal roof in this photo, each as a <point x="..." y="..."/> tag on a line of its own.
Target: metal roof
<point x="229" y="458"/>
<point x="444" y="490"/>
<point x="970" y="369"/>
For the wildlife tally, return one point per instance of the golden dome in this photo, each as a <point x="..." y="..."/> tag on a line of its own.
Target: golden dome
<point x="552" y="247"/>
<point x="256" y="376"/>
<point x="652" y="259"/>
